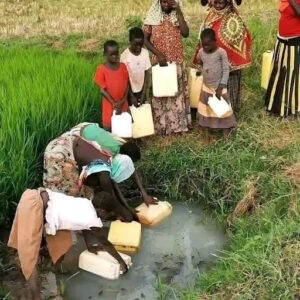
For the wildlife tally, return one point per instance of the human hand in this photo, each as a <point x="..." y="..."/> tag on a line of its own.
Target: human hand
<point x="123" y="267"/>
<point x="94" y="248"/>
<point x="135" y="101"/>
<point x="149" y="200"/>
<point x="174" y="4"/>
<point x="118" y="108"/>
<point x="162" y="60"/>
<point x="219" y="92"/>
<point x="142" y="99"/>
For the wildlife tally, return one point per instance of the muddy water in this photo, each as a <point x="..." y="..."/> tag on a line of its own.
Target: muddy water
<point x="176" y="250"/>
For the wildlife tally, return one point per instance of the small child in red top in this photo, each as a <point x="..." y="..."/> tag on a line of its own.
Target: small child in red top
<point x="113" y="80"/>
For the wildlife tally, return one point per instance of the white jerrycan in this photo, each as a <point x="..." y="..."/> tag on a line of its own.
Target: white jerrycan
<point x="102" y="264"/>
<point x="142" y="121"/>
<point x="121" y="125"/>
<point x="164" y="80"/>
<point x="195" y="87"/>
<point x="266" y="69"/>
<point x="219" y="106"/>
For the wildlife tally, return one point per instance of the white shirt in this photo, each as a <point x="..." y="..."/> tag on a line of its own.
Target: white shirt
<point x="69" y="213"/>
<point x="136" y="66"/>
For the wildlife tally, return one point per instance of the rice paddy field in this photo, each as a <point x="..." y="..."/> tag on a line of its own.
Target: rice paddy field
<point x="48" y="54"/>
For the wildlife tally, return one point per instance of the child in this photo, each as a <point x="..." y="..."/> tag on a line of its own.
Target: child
<point x="112" y="78"/>
<point x="57" y="214"/>
<point x="137" y="60"/>
<point x="215" y="69"/>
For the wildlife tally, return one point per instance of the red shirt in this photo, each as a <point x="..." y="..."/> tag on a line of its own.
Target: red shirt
<point x="289" y="23"/>
<point x="115" y="82"/>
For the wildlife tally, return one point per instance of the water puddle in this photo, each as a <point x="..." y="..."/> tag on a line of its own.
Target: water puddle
<point x="175" y="250"/>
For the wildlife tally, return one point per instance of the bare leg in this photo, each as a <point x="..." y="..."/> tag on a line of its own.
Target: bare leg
<point x="35" y="285"/>
<point x="226" y="134"/>
<point x="207" y="135"/>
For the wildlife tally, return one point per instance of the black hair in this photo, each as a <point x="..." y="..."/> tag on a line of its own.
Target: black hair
<point x="103" y="200"/>
<point x="110" y="43"/>
<point x="136" y="33"/>
<point x="132" y="150"/>
<point x="208" y="34"/>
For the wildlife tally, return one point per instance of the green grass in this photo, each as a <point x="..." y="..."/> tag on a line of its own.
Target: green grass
<point x="42" y="94"/>
<point x="45" y="92"/>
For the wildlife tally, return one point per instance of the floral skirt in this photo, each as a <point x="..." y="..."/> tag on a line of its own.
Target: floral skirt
<point x="173" y="114"/>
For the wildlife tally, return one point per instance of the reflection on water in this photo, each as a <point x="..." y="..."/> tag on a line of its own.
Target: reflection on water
<point x="176" y="250"/>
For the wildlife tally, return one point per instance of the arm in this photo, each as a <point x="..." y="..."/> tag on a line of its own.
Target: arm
<point x="124" y="202"/>
<point x="147" y="199"/>
<point x="296" y="7"/>
<point x="225" y="74"/>
<point x="119" y="104"/>
<point x="104" y="244"/>
<point x="147" y="79"/>
<point x="100" y="80"/>
<point x="184" y="29"/>
<point x="161" y="57"/>
<point x="107" y="96"/>
<point x="132" y="98"/>
<point x="200" y="63"/>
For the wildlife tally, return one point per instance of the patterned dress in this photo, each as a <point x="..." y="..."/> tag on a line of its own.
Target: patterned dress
<point x="61" y="173"/>
<point x="171" y="114"/>
<point x="234" y="37"/>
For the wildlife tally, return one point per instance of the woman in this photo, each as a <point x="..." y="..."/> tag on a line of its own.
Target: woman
<point x="69" y="156"/>
<point x="164" y="27"/>
<point x="283" y="93"/>
<point x="233" y="36"/>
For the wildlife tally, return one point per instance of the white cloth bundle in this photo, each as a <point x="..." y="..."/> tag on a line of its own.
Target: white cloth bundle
<point x="69" y="213"/>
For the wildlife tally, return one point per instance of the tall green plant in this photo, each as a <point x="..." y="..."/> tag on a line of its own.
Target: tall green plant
<point x="43" y="93"/>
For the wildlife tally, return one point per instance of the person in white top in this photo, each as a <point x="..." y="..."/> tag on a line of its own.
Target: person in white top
<point x="137" y="60"/>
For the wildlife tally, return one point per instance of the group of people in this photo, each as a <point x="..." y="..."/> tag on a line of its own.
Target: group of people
<point x="83" y="167"/>
<point x="82" y="170"/>
<point x="226" y="52"/>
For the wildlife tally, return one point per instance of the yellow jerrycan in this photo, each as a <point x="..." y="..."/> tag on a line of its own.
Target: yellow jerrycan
<point x="195" y="87"/>
<point x="142" y="121"/>
<point x="266" y="69"/>
<point x="126" y="237"/>
<point x="153" y="214"/>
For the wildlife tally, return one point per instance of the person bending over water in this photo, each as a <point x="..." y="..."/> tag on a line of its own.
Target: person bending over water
<point x="92" y="132"/>
<point x="62" y="170"/>
<point x="43" y="211"/>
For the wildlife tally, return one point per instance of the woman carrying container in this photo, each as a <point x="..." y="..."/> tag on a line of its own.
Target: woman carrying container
<point x="283" y="93"/>
<point x="164" y="27"/>
<point x="233" y="36"/>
